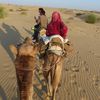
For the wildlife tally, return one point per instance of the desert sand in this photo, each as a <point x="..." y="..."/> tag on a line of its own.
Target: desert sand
<point x="81" y="71"/>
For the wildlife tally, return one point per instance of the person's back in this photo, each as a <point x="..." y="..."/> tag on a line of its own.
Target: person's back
<point x="43" y="21"/>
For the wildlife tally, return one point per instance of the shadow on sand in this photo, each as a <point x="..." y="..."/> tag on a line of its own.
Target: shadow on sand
<point x="10" y="36"/>
<point x="28" y="31"/>
<point x="2" y="94"/>
<point x="40" y="88"/>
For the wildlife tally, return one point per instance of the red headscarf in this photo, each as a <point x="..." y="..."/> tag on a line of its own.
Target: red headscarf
<point x="56" y="17"/>
<point x="56" y="26"/>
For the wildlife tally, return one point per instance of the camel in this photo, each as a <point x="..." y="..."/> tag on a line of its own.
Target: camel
<point x="25" y="55"/>
<point x="53" y="56"/>
<point x="52" y="66"/>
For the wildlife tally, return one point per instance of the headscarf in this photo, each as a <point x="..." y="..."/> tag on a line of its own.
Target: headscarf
<point x="56" y="26"/>
<point x="56" y="17"/>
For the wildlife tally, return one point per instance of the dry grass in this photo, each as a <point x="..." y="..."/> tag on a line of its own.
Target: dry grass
<point x="22" y="9"/>
<point x="3" y="13"/>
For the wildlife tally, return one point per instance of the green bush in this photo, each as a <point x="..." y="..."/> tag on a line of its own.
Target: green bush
<point x="2" y="12"/>
<point x="91" y="18"/>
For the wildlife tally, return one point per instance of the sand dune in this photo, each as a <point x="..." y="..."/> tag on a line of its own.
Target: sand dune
<point x="81" y="71"/>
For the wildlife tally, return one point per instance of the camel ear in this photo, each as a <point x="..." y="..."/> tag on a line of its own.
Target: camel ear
<point x="13" y="49"/>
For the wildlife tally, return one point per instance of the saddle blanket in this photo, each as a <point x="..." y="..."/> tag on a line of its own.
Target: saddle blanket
<point x="47" y="39"/>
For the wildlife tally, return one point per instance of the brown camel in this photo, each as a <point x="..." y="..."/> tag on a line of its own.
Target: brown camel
<point x="53" y="56"/>
<point x="52" y="67"/>
<point x="25" y="64"/>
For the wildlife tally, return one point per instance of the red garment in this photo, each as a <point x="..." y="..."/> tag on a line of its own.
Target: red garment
<point x="56" y="26"/>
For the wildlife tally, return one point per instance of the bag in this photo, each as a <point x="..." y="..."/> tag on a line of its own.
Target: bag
<point x="44" y="37"/>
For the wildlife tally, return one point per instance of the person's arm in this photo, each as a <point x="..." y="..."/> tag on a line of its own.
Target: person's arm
<point x="64" y="30"/>
<point x="37" y="20"/>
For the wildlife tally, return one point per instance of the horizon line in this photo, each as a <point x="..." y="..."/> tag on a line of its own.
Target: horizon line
<point x="49" y="6"/>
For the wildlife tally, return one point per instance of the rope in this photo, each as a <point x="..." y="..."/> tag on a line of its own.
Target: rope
<point x="50" y="66"/>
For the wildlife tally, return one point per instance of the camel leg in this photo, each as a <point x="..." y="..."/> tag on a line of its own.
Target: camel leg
<point x="56" y="79"/>
<point x="45" y="73"/>
<point x="46" y="76"/>
<point x="49" y="86"/>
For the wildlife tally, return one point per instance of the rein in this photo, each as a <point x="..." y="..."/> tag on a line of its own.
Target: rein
<point x="52" y="65"/>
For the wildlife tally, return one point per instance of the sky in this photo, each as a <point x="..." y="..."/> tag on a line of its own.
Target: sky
<point x="74" y="4"/>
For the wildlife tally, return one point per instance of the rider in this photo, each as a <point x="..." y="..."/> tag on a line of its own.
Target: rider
<point x="57" y="27"/>
<point x="41" y="23"/>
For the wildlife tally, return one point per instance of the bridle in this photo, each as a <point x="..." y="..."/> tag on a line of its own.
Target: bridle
<point x="52" y="65"/>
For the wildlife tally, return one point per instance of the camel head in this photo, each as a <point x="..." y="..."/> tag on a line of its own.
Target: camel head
<point x="27" y="48"/>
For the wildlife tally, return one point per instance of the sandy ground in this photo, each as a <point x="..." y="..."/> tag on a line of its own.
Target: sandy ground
<point x="81" y="71"/>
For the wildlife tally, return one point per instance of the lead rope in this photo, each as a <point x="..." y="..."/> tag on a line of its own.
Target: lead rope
<point x="51" y="66"/>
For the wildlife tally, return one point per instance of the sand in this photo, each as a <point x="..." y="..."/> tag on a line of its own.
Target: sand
<point x="81" y="71"/>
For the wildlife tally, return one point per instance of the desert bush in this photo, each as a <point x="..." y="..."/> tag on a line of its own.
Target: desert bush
<point x="98" y="19"/>
<point x="23" y="13"/>
<point x="91" y="18"/>
<point x="2" y="12"/>
<point x="61" y="9"/>
<point x="22" y="9"/>
<point x="79" y="14"/>
<point x="11" y="10"/>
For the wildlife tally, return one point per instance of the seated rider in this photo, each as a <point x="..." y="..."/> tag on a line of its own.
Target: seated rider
<point x="57" y="27"/>
<point x="41" y="23"/>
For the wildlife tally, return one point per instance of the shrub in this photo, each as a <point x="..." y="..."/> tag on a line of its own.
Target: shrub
<point x="11" y="10"/>
<point x="2" y="12"/>
<point x="23" y="13"/>
<point x="91" y="18"/>
<point x="98" y="19"/>
<point x="22" y="9"/>
<point x="79" y="14"/>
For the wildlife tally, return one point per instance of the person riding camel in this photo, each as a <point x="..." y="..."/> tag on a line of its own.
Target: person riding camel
<point x="57" y="27"/>
<point x="41" y="23"/>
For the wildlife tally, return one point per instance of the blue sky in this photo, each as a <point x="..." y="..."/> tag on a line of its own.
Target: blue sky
<point x="76" y="4"/>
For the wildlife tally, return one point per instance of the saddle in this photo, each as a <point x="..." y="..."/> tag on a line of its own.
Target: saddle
<point x="59" y="46"/>
<point x="53" y="44"/>
<point x="56" y="45"/>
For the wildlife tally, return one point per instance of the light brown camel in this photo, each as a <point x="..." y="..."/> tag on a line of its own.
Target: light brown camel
<point x="52" y="67"/>
<point x="25" y="64"/>
<point x="53" y="56"/>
